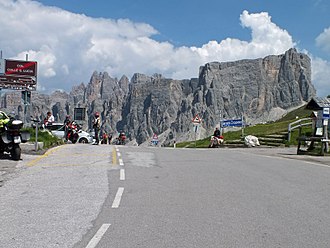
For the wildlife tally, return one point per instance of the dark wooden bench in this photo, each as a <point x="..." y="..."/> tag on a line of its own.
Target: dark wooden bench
<point x="312" y="139"/>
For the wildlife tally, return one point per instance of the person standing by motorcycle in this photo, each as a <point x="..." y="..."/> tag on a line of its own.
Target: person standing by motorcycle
<point x="67" y="120"/>
<point x="66" y="124"/>
<point x="104" y="138"/>
<point x="109" y="138"/>
<point x="121" y="138"/>
<point x="50" y="119"/>
<point x="96" y="127"/>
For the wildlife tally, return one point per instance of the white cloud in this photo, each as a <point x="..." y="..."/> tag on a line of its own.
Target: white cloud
<point x="69" y="47"/>
<point x="45" y="58"/>
<point x="267" y="38"/>
<point x="320" y="76"/>
<point x="323" y="40"/>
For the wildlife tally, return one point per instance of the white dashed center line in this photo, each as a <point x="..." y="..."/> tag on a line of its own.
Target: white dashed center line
<point x="118" y="196"/>
<point x="121" y="162"/>
<point x="122" y="175"/>
<point x="97" y="237"/>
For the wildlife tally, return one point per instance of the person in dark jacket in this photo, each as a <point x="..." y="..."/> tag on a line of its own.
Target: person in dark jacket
<point x="217" y="133"/>
<point x="96" y="127"/>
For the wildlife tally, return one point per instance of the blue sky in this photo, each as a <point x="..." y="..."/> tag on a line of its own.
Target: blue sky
<point x="194" y="23"/>
<point x="71" y="39"/>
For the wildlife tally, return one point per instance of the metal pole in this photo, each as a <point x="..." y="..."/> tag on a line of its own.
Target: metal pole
<point x="220" y="123"/>
<point x="195" y="134"/>
<point x="243" y="125"/>
<point x="36" y="143"/>
<point x="325" y="135"/>
<point x="25" y="96"/>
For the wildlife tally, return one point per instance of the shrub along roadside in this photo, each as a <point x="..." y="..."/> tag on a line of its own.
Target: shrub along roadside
<point x="46" y="137"/>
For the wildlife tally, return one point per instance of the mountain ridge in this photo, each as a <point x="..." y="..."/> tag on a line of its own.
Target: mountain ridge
<point x="259" y="89"/>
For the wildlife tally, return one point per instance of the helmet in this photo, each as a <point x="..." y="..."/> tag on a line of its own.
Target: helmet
<point x="97" y="114"/>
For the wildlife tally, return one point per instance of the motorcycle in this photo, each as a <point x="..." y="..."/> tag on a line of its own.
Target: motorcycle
<point x="216" y="142"/>
<point x="11" y="137"/>
<point x="72" y="132"/>
<point x="121" y="140"/>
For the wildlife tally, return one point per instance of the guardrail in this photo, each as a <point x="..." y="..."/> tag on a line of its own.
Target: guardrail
<point x="298" y="124"/>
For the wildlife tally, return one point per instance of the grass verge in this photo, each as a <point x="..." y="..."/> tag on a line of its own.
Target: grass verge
<point x="46" y="137"/>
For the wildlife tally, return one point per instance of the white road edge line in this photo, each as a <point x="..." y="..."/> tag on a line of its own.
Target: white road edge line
<point x="121" y="162"/>
<point x="122" y="175"/>
<point x="118" y="196"/>
<point x="118" y="154"/>
<point x="98" y="236"/>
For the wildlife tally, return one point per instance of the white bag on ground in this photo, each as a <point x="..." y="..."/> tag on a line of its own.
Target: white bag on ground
<point x="251" y="141"/>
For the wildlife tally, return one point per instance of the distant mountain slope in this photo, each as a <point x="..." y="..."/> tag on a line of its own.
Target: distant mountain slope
<point x="260" y="90"/>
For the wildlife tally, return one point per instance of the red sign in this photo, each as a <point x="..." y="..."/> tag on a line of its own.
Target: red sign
<point x="196" y="120"/>
<point x="21" y="68"/>
<point x="155" y="137"/>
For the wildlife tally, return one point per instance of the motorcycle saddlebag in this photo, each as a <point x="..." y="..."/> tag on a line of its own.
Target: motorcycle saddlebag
<point x="25" y="136"/>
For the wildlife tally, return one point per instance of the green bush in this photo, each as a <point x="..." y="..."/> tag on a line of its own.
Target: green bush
<point x="46" y="137"/>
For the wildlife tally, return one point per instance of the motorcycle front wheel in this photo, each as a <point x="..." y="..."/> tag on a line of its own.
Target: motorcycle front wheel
<point x="15" y="152"/>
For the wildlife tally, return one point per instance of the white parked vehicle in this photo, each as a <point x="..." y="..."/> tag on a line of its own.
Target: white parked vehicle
<point x="57" y="129"/>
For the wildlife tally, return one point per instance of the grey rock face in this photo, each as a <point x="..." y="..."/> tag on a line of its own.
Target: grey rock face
<point x="260" y="90"/>
<point x="254" y="87"/>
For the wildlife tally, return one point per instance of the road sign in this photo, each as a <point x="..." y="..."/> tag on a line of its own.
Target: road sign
<point x="154" y="139"/>
<point x="18" y="74"/>
<point x="20" y="68"/>
<point x="79" y="114"/>
<point x="326" y="113"/>
<point x="196" y="120"/>
<point x="17" y="83"/>
<point x="232" y="123"/>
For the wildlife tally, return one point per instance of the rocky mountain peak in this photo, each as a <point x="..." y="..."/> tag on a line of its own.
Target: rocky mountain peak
<point x="259" y="89"/>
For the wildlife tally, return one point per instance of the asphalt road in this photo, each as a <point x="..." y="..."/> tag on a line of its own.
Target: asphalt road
<point x="96" y="196"/>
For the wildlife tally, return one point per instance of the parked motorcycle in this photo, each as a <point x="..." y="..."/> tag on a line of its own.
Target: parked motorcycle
<point x="72" y="132"/>
<point x="121" y="140"/>
<point x="12" y="136"/>
<point x="216" y="141"/>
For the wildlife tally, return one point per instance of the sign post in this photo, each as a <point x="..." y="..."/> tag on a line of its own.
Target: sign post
<point x="196" y="122"/>
<point x="326" y="113"/>
<point x="233" y="123"/>
<point x="18" y="74"/>
<point x="326" y="117"/>
<point x="20" y="68"/>
<point x="155" y="140"/>
<point x="79" y="114"/>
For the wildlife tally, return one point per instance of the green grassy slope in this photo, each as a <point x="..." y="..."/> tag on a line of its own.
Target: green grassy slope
<point x="261" y="130"/>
